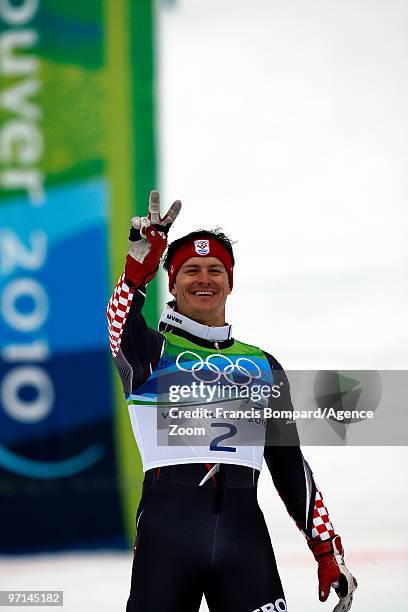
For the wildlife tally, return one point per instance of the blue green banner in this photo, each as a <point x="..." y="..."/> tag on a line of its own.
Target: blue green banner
<point x="77" y="160"/>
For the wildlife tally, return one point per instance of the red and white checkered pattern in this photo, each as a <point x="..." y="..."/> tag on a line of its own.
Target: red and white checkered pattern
<point x="117" y="311"/>
<point x="321" y="525"/>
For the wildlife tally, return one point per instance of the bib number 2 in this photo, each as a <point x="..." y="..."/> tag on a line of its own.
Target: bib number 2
<point x="232" y="430"/>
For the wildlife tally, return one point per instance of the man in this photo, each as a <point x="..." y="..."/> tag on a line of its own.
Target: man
<point x="199" y="526"/>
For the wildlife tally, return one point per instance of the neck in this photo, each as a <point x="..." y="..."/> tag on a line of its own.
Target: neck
<point x="205" y="318"/>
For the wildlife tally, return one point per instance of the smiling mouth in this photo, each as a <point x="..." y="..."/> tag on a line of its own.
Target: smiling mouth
<point x="204" y="293"/>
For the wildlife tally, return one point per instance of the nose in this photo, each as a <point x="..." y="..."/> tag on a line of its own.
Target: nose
<point x="204" y="276"/>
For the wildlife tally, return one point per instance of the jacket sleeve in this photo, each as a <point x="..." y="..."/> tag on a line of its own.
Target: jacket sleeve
<point x="290" y="472"/>
<point x="135" y="347"/>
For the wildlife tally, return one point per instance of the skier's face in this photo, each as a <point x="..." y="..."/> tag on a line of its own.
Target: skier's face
<point x="201" y="290"/>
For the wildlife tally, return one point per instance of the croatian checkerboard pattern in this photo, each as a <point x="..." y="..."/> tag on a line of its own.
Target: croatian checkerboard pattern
<point x="117" y="311"/>
<point x="321" y="525"/>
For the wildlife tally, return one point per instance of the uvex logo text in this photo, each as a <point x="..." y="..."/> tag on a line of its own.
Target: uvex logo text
<point x="173" y="318"/>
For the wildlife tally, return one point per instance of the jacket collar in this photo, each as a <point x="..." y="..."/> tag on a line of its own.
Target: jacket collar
<point x="212" y="334"/>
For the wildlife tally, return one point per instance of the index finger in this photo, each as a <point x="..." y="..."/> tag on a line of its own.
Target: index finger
<point x="154" y="207"/>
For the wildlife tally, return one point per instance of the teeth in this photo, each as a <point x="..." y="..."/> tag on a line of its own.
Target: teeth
<point x="204" y="293"/>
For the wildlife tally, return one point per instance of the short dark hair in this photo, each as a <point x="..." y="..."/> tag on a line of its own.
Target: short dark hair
<point x="216" y="234"/>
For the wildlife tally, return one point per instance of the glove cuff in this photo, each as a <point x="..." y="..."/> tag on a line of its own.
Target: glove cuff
<point x="332" y="547"/>
<point x="138" y="274"/>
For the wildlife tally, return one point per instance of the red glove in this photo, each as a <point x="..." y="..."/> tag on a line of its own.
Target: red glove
<point x="142" y="272"/>
<point x="148" y="240"/>
<point x="332" y="572"/>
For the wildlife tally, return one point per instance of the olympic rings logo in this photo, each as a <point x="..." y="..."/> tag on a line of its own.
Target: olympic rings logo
<point x="207" y="365"/>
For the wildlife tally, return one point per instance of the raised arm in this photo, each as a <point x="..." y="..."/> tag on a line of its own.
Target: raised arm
<point x="135" y="347"/>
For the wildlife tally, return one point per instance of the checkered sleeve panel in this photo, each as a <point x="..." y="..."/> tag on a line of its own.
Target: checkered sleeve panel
<point x="117" y="312"/>
<point x="322" y="529"/>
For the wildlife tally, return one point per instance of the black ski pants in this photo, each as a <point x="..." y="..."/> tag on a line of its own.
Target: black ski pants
<point x="210" y="539"/>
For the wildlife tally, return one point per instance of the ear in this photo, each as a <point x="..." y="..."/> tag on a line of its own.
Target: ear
<point x="173" y="291"/>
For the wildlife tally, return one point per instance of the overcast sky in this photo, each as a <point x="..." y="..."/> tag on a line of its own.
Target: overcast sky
<point x="285" y="122"/>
